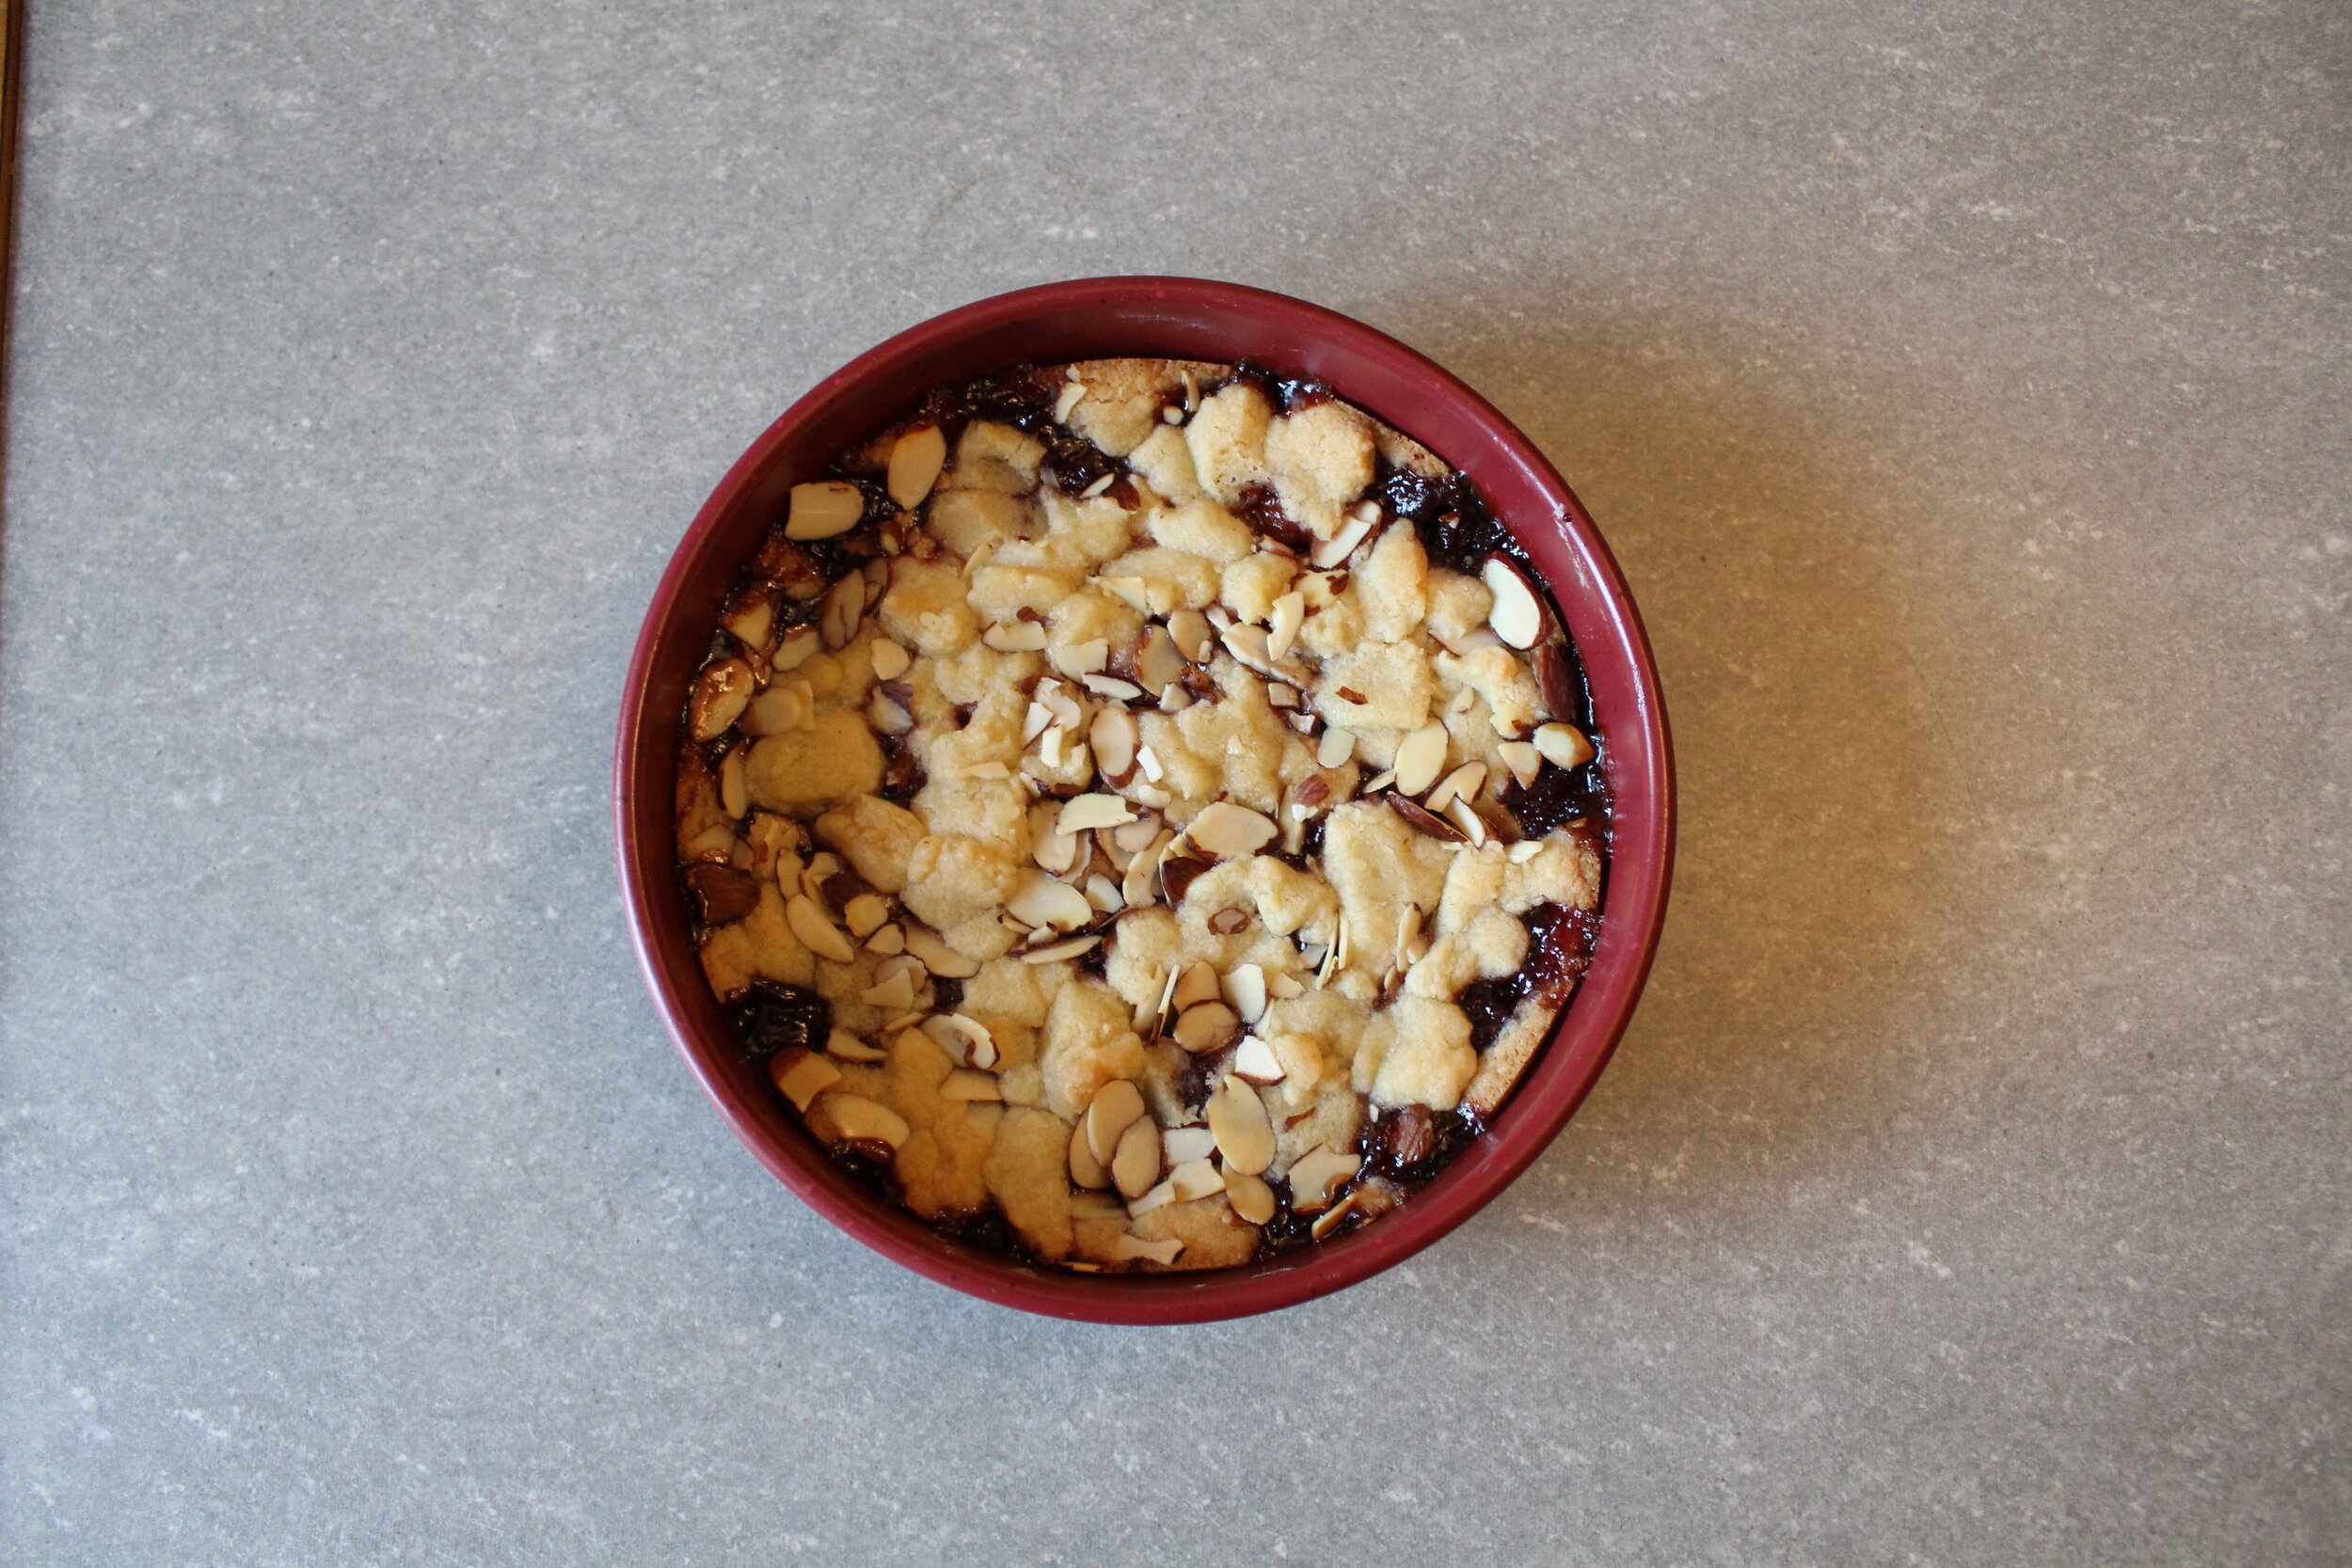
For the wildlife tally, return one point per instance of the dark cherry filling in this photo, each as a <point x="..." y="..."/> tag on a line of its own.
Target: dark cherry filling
<point x="769" y="1017"/>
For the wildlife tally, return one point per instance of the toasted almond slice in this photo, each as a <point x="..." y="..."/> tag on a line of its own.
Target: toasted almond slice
<point x="1084" y="1169"/>
<point x="1040" y="719"/>
<point x="1230" y="921"/>
<point x="721" y="696"/>
<point x="940" y="959"/>
<point x="1190" y="631"/>
<point x="1290" y="612"/>
<point x="1015" y="637"/>
<point x="1562" y="745"/>
<point x="1517" y="615"/>
<point x="1149" y="761"/>
<point x="734" y="797"/>
<point x="887" y="716"/>
<point x="1134" y="593"/>
<point x="1073" y="392"/>
<point x="1113" y="687"/>
<point x="1157" y="660"/>
<point x="859" y="1119"/>
<point x="1248" y="643"/>
<point x="1058" y="853"/>
<point x="916" y="459"/>
<point x="1196" y="984"/>
<point x="794" y="651"/>
<point x="1282" y="987"/>
<point x="817" y="934"/>
<point x="1049" y="746"/>
<point x="1244" y="1133"/>
<point x="1063" y="951"/>
<point x="1098" y="1205"/>
<point x="1374" y="785"/>
<point x="1428" y="822"/>
<point x="1067" y="711"/>
<point x="1224" y="831"/>
<point x="1330" y="1220"/>
<point x="864" y="915"/>
<point x="750" y="620"/>
<point x="1337" y="548"/>
<point x="890" y="660"/>
<point x="822" y="867"/>
<point x="715" y="842"/>
<point x="1086" y="813"/>
<point x="842" y="1043"/>
<point x="1086" y="658"/>
<point x="1127" y="1247"/>
<point x="1195" y="1180"/>
<point x="800" y="1075"/>
<point x="1463" y="783"/>
<point x="1113" y="738"/>
<point x="969" y="1083"/>
<point x="844" y="608"/>
<point x="1525" y="850"/>
<point x="1523" y="758"/>
<point x="1255" y="1060"/>
<point x="1152" y="796"/>
<point x="1184" y="1144"/>
<point x="825" y="510"/>
<point x="887" y="940"/>
<point x="1206" y="1027"/>
<point x="1419" y="758"/>
<point x="1245" y="989"/>
<point x="1043" y="900"/>
<point x="1136" y="837"/>
<point x="1251" y="1198"/>
<point x="1465" y="816"/>
<point x="896" y="990"/>
<point x="1141" y="883"/>
<point x="1104" y="895"/>
<point x="1134" y="1164"/>
<point x="1317" y="1175"/>
<point x="1335" y="749"/>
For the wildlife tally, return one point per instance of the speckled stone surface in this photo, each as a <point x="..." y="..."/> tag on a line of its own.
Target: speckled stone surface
<point x="1965" y="390"/>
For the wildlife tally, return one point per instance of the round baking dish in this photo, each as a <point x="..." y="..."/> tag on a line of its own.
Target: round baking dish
<point x="1181" y="318"/>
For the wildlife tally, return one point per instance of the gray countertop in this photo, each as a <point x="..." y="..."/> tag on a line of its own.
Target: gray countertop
<point x="1965" y="391"/>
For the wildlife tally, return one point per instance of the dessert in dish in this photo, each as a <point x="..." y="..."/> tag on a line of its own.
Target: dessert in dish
<point x="1141" y="814"/>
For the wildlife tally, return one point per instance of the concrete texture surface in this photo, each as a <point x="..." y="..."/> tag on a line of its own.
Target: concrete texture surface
<point x="1965" y="390"/>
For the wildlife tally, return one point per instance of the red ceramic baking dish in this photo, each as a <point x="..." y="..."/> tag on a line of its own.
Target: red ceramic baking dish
<point x="1185" y="318"/>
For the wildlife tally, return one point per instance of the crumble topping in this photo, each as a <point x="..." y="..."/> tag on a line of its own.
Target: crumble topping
<point x="1142" y="812"/>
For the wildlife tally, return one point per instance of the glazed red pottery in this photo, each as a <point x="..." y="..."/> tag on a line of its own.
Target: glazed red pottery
<point x="1182" y="318"/>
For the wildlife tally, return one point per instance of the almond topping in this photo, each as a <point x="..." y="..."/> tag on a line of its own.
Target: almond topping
<point x="1463" y="783"/>
<point x="1517" y="616"/>
<point x="1128" y="1248"/>
<point x="734" y="797"/>
<point x="1115" y="1104"/>
<point x="1245" y="989"/>
<point x="1189" y="629"/>
<point x="1206" y="1028"/>
<point x="1465" y="817"/>
<point x="1135" y="1164"/>
<point x="1041" y="900"/>
<point x="1063" y="951"/>
<point x="896" y="990"/>
<point x="1195" y="1180"/>
<point x="1136" y="837"/>
<point x="1139" y="886"/>
<point x="887" y="717"/>
<point x="1564" y="745"/>
<point x="887" y="940"/>
<point x="1086" y="813"/>
<point x="1527" y="850"/>
<point x="1184" y="1144"/>
<point x="1020" y="637"/>
<point x="1317" y="1175"/>
<point x="794" y="651"/>
<point x="1337" y="548"/>
<point x="1334" y="750"/>
<point x="720" y="697"/>
<point x="1113" y="738"/>
<point x="1157" y="660"/>
<point x="841" y="1043"/>
<point x="825" y="510"/>
<point x="1522" y="758"/>
<point x="1251" y="1198"/>
<point x="1149" y="761"/>
<point x="1553" y="678"/>
<point x="1073" y="393"/>
<point x="1244" y="1133"/>
<point x="1058" y="853"/>
<point x="940" y="959"/>
<point x="752" y="619"/>
<point x="1104" y="895"/>
<point x="1113" y="687"/>
<point x="1435" y="827"/>
<point x="1255" y="1060"/>
<point x="1290" y="612"/>
<point x="800" y="1075"/>
<point x="1230" y="922"/>
<point x="1084" y="1169"/>
<point x="858" y="1119"/>
<point x="1086" y="658"/>
<point x="1419" y="758"/>
<point x="916" y="459"/>
<point x="1196" y="984"/>
<point x="817" y="934"/>
<point x="1224" y="831"/>
<point x="890" y="660"/>
<point x="969" y="1083"/>
<point x="844" y="606"/>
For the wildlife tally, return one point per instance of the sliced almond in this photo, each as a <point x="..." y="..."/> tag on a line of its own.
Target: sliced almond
<point x="887" y="940"/>
<point x="1331" y="1219"/>
<point x="1049" y="745"/>
<point x="800" y="1075"/>
<point x="1112" y="687"/>
<point x="1128" y="1248"/>
<point x="1317" y="1175"/>
<point x="817" y="934"/>
<point x="1149" y="761"/>
<point x="721" y="695"/>
<point x="1244" y="1133"/>
<point x="1068" y="712"/>
<point x="1224" y="831"/>
<point x="1113" y="738"/>
<point x="1140" y="885"/>
<point x="858" y="1119"/>
<point x="825" y="510"/>
<point x="841" y="1043"/>
<point x="1526" y="850"/>
<point x="1195" y="1180"/>
<point x="1420" y="817"/>
<point x="1374" y="785"/>
<point x="1017" y="637"/>
<point x="1230" y="921"/>
<point x="1463" y="783"/>
<point x="1136" y="837"/>
<point x="970" y="1085"/>
<point x="1337" y="548"/>
<point x="1104" y="895"/>
<point x="1255" y="1060"/>
<point x="1251" y="1198"/>
<point x="1040" y="719"/>
<point x="1523" y="758"/>
<point x="1134" y="1164"/>
<point x="794" y="651"/>
<point x="1086" y="813"/>
<point x="822" y="867"/>
<point x="895" y="989"/>
<point x="1206" y="1027"/>
<point x="785" y="707"/>
<point x="887" y="717"/>
<point x="1419" y="758"/>
<point x="1061" y="952"/>
<point x="1184" y="1144"/>
<point x="1196" y="984"/>
<point x="844" y="606"/>
<point x="916" y="459"/>
<point x="1084" y="1169"/>
<point x="1043" y="900"/>
<point x="890" y="660"/>
<point x="1245" y="990"/>
<point x="1465" y="817"/>
<point x="1290" y="613"/>
<point x="964" y="1038"/>
<point x="1190" y="631"/>
<point x="1284" y="987"/>
<point x="1335" y="749"/>
<point x="940" y="959"/>
<point x="1086" y="658"/>
<point x="1248" y="645"/>
<point x="750" y="620"/>
<point x="1562" y="745"/>
<point x="734" y="796"/>
<point x="1517" y="615"/>
<point x="1058" y="853"/>
<point x="1134" y="593"/>
<point x="1555" y="677"/>
<point x="1157" y="660"/>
